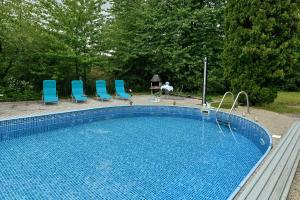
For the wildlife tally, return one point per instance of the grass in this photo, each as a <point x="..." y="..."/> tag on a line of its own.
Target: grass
<point x="227" y="103"/>
<point x="286" y="102"/>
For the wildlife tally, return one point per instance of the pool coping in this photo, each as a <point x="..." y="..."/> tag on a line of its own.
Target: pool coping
<point x="240" y="185"/>
<point x="274" y="177"/>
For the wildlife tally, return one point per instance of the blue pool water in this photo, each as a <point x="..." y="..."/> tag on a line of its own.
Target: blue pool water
<point x="145" y="157"/>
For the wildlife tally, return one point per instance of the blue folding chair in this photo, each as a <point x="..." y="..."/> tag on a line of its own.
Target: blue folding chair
<point x="77" y="91"/>
<point x="120" y="90"/>
<point x="101" y="91"/>
<point x="49" y="92"/>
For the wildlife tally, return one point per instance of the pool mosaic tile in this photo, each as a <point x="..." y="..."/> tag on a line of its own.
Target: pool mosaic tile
<point x="128" y="152"/>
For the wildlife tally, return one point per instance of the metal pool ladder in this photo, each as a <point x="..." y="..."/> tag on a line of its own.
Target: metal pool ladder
<point x="237" y="97"/>
<point x="218" y="116"/>
<point x="228" y="120"/>
<point x="226" y="93"/>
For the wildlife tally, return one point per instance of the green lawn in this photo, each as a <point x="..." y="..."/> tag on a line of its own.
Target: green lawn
<point x="286" y="102"/>
<point x="228" y="101"/>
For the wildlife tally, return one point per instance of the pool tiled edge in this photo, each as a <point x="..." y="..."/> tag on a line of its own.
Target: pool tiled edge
<point x="18" y="127"/>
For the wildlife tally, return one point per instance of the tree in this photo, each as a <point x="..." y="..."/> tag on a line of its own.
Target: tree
<point x="66" y="39"/>
<point x="260" y="44"/>
<point x="19" y="50"/>
<point x="78" y="25"/>
<point x="42" y="39"/>
<point x="170" y="38"/>
<point x="127" y="25"/>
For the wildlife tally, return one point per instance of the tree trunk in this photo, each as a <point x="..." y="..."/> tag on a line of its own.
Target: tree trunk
<point x="84" y="74"/>
<point x="76" y="68"/>
<point x="5" y="71"/>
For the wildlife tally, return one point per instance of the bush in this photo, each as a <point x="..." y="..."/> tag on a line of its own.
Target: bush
<point x="17" y="90"/>
<point x="256" y="93"/>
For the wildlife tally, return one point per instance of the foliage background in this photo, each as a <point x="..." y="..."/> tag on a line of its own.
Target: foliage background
<point x="134" y="39"/>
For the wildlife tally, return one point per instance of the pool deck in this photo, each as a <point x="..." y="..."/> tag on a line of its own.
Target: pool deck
<point x="277" y="124"/>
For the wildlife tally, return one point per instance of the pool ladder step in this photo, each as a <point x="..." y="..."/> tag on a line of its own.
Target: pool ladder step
<point x="224" y="122"/>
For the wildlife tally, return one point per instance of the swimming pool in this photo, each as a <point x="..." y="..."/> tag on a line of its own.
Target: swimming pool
<point x="128" y="152"/>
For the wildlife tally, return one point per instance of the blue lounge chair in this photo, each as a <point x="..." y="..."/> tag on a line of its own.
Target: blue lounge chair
<point x="120" y="90"/>
<point x="77" y="91"/>
<point x="101" y="91"/>
<point x="49" y="92"/>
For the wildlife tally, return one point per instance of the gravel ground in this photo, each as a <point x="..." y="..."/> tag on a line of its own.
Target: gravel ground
<point x="294" y="193"/>
<point x="277" y="124"/>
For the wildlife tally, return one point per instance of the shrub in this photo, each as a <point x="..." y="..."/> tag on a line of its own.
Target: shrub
<point x="18" y="90"/>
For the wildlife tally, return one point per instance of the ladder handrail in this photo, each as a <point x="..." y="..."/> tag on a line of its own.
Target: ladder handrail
<point x="236" y="99"/>
<point x="233" y="105"/>
<point x="226" y="93"/>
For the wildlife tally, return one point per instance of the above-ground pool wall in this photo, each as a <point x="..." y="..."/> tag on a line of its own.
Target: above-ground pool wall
<point x="19" y="127"/>
<point x="249" y="129"/>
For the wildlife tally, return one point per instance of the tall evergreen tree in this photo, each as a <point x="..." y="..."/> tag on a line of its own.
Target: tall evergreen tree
<point x="260" y="47"/>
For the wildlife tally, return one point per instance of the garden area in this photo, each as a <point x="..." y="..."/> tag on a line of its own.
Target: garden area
<point x="118" y="99"/>
<point x="249" y="47"/>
